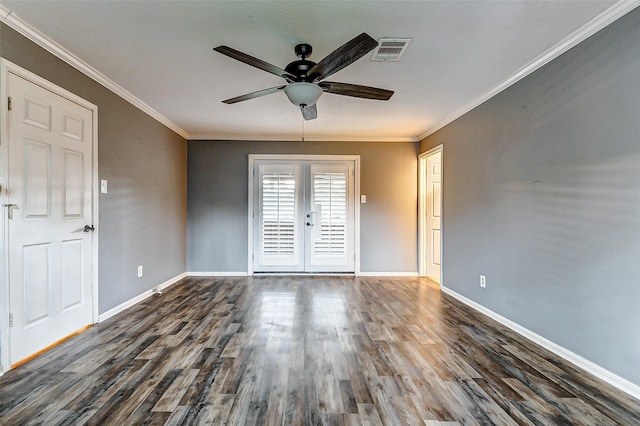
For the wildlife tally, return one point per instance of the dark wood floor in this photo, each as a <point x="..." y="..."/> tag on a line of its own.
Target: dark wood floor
<point x="305" y="350"/>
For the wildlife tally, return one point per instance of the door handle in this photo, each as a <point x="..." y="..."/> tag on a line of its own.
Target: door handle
<point x="10" y="208"/>
<point x="88" y="228"/>
<point x="312" y="217"/>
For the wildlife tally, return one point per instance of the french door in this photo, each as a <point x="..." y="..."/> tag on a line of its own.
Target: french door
<point x="303" y="216"/>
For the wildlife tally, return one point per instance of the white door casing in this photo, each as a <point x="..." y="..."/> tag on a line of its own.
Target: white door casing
<point x="50" y="185"/>
<point x="302" y="214"/>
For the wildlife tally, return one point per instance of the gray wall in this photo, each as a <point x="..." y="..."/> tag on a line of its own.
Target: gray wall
<point x="218" y="192"/>
<point x="542" y="194"/>
<point x="143" y="217"/>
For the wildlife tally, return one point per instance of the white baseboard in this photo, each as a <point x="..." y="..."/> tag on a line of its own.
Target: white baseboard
<point x="217" y="274"/>
<point x="387" y="274"/>
<point x="139" y="298"/>
<point x="600" y="372"/>
<point x="244" y="274"/>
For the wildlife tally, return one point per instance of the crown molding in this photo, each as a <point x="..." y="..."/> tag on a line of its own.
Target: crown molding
<point x="22" y="27"/>
<point x="607" y="17"/>
<point x="289" y="138"/>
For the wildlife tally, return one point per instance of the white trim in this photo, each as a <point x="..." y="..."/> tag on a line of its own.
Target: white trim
<point x="422" y="240"/>
<point x="388" y="274"/>
<point x="600" y="372"/>
<point x="217" y="274"/>
<point x="139" y="298"/>
<point x="356" y="248"/>
<point x="7" y="67"/>
<point x="289" y="138"/>
<point x="46" y="84"/>
<point x="5" y="364"/>
<point x="250" y="180"/>
<point x="422" y="243"/>
<point x="22" y="27"/>
<point x="304" y="157"/>
<point x="303" y="274"/>
<point x="615" y="12"/>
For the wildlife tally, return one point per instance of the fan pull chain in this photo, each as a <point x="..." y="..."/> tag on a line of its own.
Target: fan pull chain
<point x="302" y="140"/>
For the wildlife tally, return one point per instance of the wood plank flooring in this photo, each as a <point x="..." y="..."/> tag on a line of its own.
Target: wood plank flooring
<point x="305" y="350"/>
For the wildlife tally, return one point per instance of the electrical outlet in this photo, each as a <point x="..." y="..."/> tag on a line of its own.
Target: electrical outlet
<point x="139" y="271"/>
<point x="483" y="281"/>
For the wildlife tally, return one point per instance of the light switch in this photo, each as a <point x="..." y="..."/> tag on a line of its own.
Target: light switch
<point x="103" y="186"/>
<point x="363" y="199"/>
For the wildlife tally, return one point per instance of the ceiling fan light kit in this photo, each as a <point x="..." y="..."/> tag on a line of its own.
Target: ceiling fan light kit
<point x="303" y="94"/>
<point x="304" y="85"/>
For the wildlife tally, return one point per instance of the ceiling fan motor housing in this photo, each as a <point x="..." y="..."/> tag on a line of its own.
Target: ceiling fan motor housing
<point x="300" y="69"/>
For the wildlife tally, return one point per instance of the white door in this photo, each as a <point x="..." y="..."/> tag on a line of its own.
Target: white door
<point x="329" y="217"/>
<point x="278" y="231"/>
<point x="50" y="202"/>
<point x="434" y="216"/>
<point x="304" y="216"/>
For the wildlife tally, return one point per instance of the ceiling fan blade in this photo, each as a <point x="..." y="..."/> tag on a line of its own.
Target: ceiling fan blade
<point x="356" y="90"/>
<point x="253" y="95"/>
<point x="254" y="62"/>
<point x="344" y="55"/>
<point x="309" y="112"/>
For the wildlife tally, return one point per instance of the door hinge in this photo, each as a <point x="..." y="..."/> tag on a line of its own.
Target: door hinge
<point x="9" y="105"/>
<point x="10" y="319"/>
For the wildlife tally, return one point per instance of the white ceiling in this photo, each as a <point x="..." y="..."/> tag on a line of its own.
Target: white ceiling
<point x="461" y="54"/>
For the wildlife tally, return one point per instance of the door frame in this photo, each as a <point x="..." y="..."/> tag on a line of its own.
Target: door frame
<point x="6" y="68"/>
<point x="304" y="157"/>
<point x="423" y="238"/>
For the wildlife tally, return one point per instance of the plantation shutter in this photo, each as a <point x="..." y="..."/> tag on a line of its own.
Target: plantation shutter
<point x="331" y="239"/>
<point x="278" y="213"/>
<point x="330" y="191"/>
<point x="278" y="217"/>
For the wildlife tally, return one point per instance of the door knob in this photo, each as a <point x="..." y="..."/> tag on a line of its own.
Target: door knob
<point x="309" y="224"/>
<point x="88" y="228"/>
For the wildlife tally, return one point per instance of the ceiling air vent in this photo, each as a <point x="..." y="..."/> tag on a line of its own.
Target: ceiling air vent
<point x="390" y="49"/>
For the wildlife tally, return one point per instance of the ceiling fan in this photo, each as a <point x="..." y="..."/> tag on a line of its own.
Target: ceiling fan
<point x="304" y="78"/>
